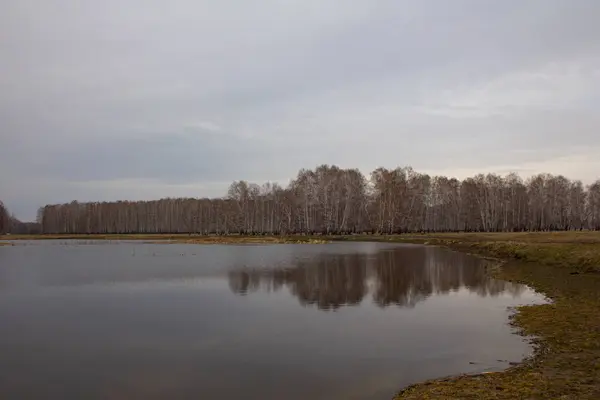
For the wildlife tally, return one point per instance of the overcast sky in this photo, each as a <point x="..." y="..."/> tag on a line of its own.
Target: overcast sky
<point x="143" y="99"/>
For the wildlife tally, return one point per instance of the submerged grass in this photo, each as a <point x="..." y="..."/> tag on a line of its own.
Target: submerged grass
<point x="566" y="268"/>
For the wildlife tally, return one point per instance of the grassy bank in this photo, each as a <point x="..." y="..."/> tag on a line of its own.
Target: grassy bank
<point x="565" y="267"/>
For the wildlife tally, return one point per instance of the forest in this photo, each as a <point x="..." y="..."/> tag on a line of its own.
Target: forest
<point x="10" y="224"/>
<point x="332" y="200"/>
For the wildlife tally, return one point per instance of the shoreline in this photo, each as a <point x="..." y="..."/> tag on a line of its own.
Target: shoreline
<point x="565" y="332"/>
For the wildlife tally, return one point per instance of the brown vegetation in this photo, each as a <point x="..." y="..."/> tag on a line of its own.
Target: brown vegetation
<point x="235" y="239"/>
<point x="176" y="238"/>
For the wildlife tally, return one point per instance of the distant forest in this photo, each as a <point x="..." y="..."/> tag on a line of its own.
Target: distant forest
<point x="331" y="200"/>
<point x="10" y="224"/>
<point x="4" y="218"/>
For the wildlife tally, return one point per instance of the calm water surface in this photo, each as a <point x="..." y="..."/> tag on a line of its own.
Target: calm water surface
<point x="152" y="321"/>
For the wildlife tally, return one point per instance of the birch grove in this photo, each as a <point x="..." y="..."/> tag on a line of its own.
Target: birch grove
<point x="333" y="200"/>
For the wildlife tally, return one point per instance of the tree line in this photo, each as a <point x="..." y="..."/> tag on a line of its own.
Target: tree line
<point x="332" y="200"/>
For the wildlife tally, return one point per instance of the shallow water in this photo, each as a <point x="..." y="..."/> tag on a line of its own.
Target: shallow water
<point x="125" y="320"/>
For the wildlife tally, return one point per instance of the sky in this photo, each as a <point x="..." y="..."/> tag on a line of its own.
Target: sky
<point x="145" y="99"/>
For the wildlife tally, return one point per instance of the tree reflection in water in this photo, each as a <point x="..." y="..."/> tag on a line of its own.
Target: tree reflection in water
<point x="401" y="277"/>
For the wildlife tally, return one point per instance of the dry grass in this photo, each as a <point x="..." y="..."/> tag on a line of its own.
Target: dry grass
<point x="577" y="237"/>
<point x="176" y="238"/>
<point x="245" y="240"/>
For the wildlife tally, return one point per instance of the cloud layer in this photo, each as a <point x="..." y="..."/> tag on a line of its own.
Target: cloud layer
<point x="146" y="99"/>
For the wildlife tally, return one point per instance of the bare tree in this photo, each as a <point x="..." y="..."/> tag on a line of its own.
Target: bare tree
<point x="593" y="206"/>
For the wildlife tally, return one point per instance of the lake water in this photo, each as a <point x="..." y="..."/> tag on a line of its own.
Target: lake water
<point x="127" y="320"/>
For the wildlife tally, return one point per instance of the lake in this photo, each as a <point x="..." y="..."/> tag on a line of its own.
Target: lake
<point x="132" y="320"/>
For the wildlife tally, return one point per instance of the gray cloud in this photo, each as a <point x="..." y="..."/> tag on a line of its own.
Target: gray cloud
<point x="147" y="99"/>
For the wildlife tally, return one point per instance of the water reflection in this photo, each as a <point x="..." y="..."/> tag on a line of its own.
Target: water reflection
<point x="159" y="321"/>
<point x="401" y="277"/>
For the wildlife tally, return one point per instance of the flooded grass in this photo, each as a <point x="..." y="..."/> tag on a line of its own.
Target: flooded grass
<point x="566" y="268"/>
